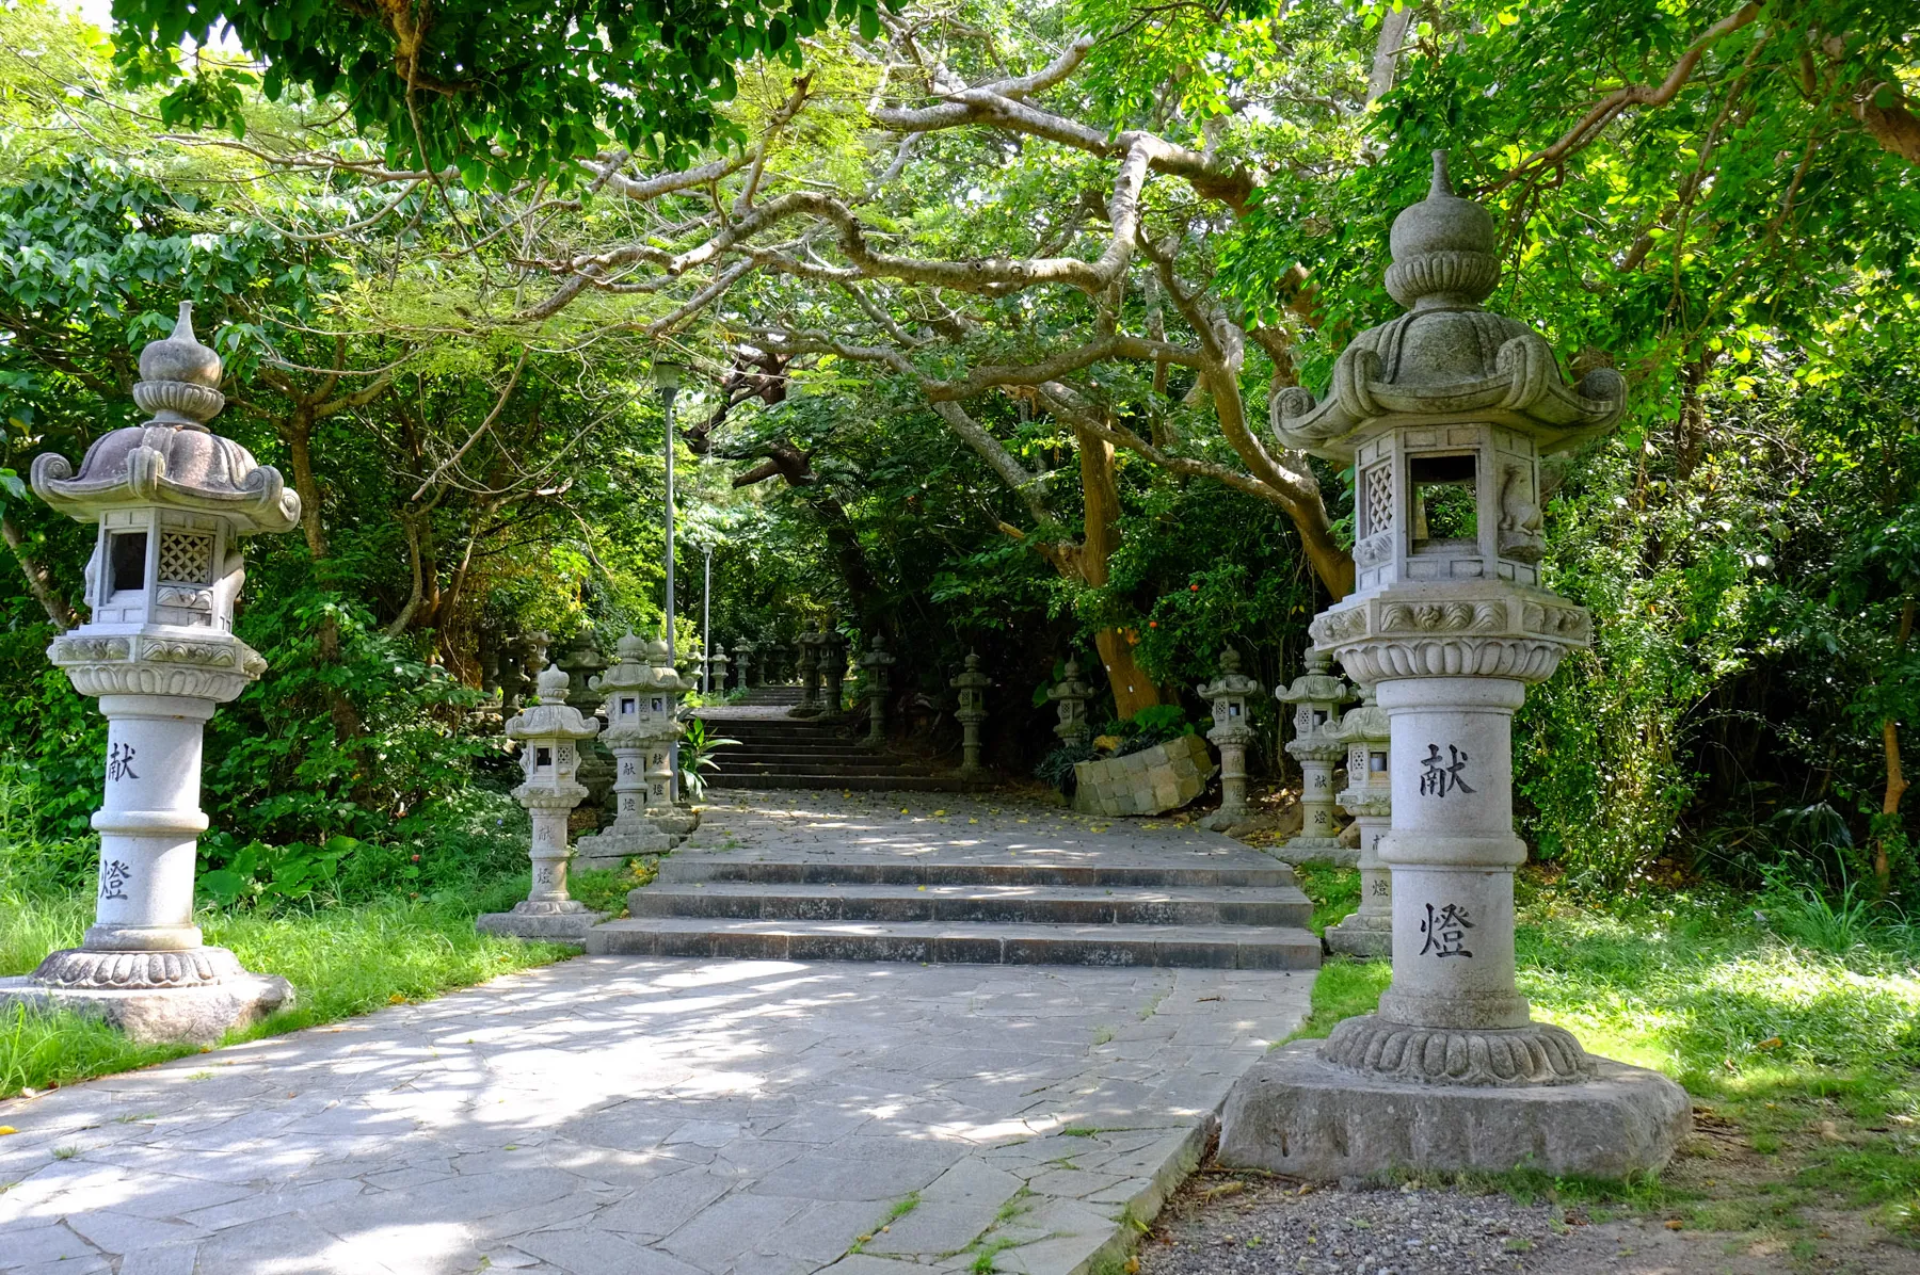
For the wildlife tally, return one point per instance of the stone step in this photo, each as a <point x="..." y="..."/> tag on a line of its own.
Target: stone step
<point x="904" y="782"/>
<point x="1022" y="904"/>
<point x="937" y="942"/>
<point x="689" y="866"/>
<point x="814" y="766"/>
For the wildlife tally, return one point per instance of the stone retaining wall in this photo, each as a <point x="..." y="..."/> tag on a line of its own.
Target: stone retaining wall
<point x="1164" y="777"/>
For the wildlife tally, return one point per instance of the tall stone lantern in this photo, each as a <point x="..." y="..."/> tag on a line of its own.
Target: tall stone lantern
<point x="971" y="684"/>
<point x="717" y="670"/>
<point x="1069" y="698"/>
<point x="662" y="729"/>
<point x="627" y="687"/>
<point x="550" y="735"/>
<point x="171" y="502"/>
<point x="1316" y="696"/>
<point x="583" y="663"/>
<point x="1368" y="797"/>
<point x="808" y="644"/>
<point x="874" y="667"/>
<point x="743" y="664"/>
<point x="1231" y="734"/>
<point x="833" y="669"/>
<point x="1444" y="412"/>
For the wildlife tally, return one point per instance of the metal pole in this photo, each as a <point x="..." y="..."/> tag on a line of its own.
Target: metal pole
<point x="673" y="751"/>
<point x="706" y="626"/>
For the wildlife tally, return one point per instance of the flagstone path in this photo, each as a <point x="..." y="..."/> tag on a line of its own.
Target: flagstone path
<point x="658" y="1116"/>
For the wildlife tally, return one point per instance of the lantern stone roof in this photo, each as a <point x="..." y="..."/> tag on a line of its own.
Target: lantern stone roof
<point x="970" y="677"/>
<point x="172" y="459"/>
<point x="1365" y="724"/>
<point x="1316" y="685"/>
<point x="552" y="717"/>
<point x="1447" y="359"/>
<point x="1231" y="680"/>
<point x="662" y="675"/>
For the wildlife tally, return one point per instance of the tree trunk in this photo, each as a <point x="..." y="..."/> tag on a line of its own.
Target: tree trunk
<point x="299" y="436"/>
<point x="1896" y="776"/>
<point x="39" y="581"/>
<point x="1133" y="690"/>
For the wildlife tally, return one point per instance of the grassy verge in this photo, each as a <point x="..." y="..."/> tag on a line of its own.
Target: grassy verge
<point x="1799" y="1041"/>
<point x="342" y="961"/>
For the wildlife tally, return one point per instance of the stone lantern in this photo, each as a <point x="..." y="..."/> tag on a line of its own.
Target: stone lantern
<point x="833" y="669"/>
<point x="1316" y="696"/>
<point x="627" y="687"/>
<point x="874" y="665"/>
<point x="1368" y="797"/>
<point x="170" y="502"/>
<point x="1231" y="733"/>
<point x="583" y="664"/>
<point x="717" y="670"/>
<point x="1069" y="699"/>
<point x="1444" y="413"/>
<point x="808" y="644"/>
<point x="662" y="728"/>
<point x="743" y="664"/>
<point x="550" y="734"/>
<point x="972" y="686"/>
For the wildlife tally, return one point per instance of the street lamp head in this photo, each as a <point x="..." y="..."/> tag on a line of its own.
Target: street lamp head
<point x="667" y="377"/>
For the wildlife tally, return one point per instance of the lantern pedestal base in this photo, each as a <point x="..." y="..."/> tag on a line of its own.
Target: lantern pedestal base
<point x="1362" y="935"/>
<point x="1297" y="1114"/>
<point x="611" y="847"/>
<point x="1317" y="850"/>
<point x="195" y="996"/>
<point x="676" y="822"/>
<point x="566" y="922"/>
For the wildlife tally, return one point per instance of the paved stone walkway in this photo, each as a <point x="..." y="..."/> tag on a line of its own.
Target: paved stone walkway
<point x="651" y="1115"/>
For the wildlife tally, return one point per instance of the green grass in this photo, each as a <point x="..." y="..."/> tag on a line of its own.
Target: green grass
<point x="1334" y="892"/>
<point x="1798" y="1035"/>
<point x="342" y="961"/>
<point x="605" y="889"/>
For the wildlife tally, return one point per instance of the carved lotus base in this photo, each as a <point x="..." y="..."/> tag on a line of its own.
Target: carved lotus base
<point x="77" y="967"/>
<point x="194" y="996"/>
<point x="1537" y="1054"/>
<point x="157" y="661"/>
<point x="1466" y="628"/>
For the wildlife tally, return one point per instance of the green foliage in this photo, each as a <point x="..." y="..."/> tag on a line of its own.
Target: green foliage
<point x="547" y="86"/>
<point x="698" y="751"/>
<point x="1056" y="768"/>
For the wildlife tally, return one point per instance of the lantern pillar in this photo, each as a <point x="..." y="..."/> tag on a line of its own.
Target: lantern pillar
<point x="1316" y="696"/>
<point x="1231" y="734"/>
<point x="1368" y="797"/>
<point x="550" y="734"/>
<point x="972" y="686"/>
<point x="874" y="666"/>
<point x="626" y="687"/>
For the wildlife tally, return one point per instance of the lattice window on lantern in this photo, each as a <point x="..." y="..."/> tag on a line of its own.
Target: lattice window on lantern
<point x="1377" y="499"/>
<point x="186" y="558"/>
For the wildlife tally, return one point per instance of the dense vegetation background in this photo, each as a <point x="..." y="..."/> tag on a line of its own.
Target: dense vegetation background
<point x="978" y="367"/>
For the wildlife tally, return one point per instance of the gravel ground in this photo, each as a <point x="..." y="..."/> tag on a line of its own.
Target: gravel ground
<point x="1225" y="1225"/>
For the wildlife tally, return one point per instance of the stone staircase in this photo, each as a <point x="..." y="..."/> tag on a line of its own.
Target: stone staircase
<point x="1203" y="902"/>
<point x="777" y="751"/>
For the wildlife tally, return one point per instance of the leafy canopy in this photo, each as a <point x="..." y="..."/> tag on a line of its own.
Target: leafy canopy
<point x="448" y="83"/>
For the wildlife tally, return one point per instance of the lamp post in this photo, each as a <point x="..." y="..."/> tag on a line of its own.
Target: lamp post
<point x="706" y="626"/>
<point x="666" y="378"/>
